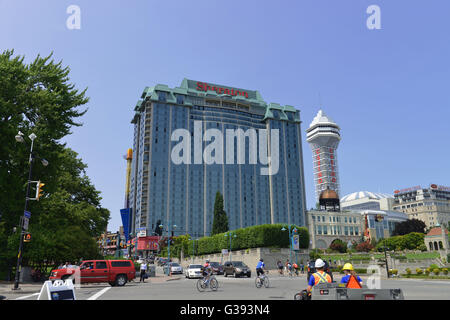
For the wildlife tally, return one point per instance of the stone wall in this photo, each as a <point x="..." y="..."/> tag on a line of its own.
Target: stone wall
<point x="251" y="257"/>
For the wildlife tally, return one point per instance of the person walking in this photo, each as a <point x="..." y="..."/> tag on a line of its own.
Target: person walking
<point x="143" y="271"/>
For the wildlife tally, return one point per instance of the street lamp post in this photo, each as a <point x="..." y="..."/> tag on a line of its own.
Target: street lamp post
<point x="19" y="138"/>
<point x="379" y="218"/>
<point x="230" y="235"/>
<point x="290" y="242"/>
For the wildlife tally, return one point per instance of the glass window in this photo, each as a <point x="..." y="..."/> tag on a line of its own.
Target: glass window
<point x="161" y="96"/>
<point x="101" y="265"/>
<point x="120" y="263"/>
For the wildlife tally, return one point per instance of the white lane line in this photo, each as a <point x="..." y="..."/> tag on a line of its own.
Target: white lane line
<point x="26" y="297"/>
<point x="98" y="294"/>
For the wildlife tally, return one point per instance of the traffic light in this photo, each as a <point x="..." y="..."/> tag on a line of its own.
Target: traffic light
<point x="27" y="237"/>
<point x="39" y="190"/>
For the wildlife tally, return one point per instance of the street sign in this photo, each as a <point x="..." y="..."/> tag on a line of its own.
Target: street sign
<point x="25" y="223"/>
<point x="58" y="290"/>
<point x="27" y="214"/>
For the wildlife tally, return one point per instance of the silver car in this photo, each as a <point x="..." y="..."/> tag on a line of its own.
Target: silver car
<point x="175" y="268"/>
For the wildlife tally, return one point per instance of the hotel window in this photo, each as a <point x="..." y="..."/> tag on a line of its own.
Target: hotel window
<point x="161" y="96"/>
<point x="180" y="99"/>
<point x="346" y="230"/>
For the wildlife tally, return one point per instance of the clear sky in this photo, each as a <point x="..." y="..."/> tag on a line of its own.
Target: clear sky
<point x="387" y="89"/>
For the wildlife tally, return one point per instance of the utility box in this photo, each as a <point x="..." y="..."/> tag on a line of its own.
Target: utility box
<point x="332" y="291"/>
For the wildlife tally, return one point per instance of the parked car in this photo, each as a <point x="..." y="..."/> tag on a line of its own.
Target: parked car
<point x="114" y="272"/>
<point x="194" y="271"/>
<point x="217" y="268"/>
<point x="175" y="268"/>
<point x="237" y="269"/>
<point x="311" y="268"/>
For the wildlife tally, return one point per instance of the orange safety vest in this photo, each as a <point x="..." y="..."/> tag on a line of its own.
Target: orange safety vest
<point x="353" y="283"/>
<point x="321" y="277"/>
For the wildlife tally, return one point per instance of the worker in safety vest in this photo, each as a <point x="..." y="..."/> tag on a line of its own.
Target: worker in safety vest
<point x="351" y="280"/>
<point x="319" y="277"/>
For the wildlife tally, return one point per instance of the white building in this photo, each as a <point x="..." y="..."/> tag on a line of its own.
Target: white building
<point x="323" y="136"/>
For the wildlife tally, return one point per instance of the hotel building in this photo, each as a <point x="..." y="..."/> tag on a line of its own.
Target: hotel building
<point x="431" y="204"/>
<point x="171" y="193"/>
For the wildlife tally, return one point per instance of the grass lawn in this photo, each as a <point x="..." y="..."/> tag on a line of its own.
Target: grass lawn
<point x="422" y="255"/>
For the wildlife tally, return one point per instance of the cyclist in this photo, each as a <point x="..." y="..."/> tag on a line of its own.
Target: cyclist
<point x="288" y="267"/>
<point x="260" y="267"/>
<point x="207" y="271"/>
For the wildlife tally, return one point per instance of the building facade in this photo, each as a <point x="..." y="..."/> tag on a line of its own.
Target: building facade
<point x="323" y="136"/>
<point x="430" y="205"/>
<point x="362" y="216"/>
<point x="200" y="138"/>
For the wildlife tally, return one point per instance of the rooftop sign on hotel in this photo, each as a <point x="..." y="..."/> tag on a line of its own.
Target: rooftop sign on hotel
<point x="219" y="89"/>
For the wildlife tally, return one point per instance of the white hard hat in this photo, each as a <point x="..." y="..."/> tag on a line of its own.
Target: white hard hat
<point x="319" y="263"/>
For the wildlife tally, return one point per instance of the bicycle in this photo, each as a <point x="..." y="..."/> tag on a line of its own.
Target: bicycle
<point x="262" y="280"/>
<point x="203" y="283"/>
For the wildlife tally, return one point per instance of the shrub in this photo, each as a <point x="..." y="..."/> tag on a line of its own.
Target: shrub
<point x="408" y="271"/>
<point x="268" y="235"/>
<point x="436" y="271"/>
<point x="393" y="271"/>
<point x="445" y="271"/>
<point x="419" y="271"/>
<point x="427" y="271"/>
<point x="364" y="247"/>
<point x="434" y="266"/>
<point x="338" y="246"/>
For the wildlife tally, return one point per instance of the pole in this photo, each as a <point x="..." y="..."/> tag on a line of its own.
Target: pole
<point x="168" y="240"/>
<point x="385" y="257"/>
<point x="290" y="244"/>
<point x="19" y="256"/>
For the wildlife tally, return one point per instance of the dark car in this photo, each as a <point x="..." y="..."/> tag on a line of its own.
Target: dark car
<point x="217" y="268"/>
<point x="311" y="268"/>
<point x="236" y="268"/>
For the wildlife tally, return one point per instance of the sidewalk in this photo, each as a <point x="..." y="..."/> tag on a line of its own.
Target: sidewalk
<point x="30" y="288"/>
<point x="24" y="288"/>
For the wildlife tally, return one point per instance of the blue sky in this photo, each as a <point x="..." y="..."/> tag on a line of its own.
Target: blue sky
<point x="387" y="89"/>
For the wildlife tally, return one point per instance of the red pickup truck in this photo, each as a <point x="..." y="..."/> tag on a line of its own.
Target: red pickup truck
<point x="115" y="272"/>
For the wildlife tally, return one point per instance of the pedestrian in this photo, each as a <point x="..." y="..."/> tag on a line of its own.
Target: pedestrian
<point x="143" y="271"/>
<point x="280" y="267"/>
<point x="302" y="267"/>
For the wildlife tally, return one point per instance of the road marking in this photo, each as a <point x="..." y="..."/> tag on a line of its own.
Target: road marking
<point x="26" y="297"/>
<point x="98" y="294"/>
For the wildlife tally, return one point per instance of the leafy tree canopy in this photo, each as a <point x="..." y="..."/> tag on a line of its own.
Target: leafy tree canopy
<point x="39" y="98"/>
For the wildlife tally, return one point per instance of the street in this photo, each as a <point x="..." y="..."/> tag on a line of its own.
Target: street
<point x="281" y="288"/>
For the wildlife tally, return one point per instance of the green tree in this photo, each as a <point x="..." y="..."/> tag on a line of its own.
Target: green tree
<point x="220" y="220"/>
<point x="39" y="98"/>
<point x="338" y="245"/>
<point x="408" y="226"/>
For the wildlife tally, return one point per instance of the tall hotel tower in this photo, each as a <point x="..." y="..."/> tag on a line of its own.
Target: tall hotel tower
<point x="182" y="194"/>
<point x="323" y="137"/>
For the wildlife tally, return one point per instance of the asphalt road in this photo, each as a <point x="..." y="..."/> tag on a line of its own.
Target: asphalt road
<point x="281" y="288"/>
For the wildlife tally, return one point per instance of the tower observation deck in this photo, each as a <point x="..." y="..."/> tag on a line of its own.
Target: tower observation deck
<point x="323" y="136"/>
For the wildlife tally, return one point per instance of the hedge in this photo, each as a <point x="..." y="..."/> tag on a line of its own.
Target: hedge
<point x="267" y="235"/>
